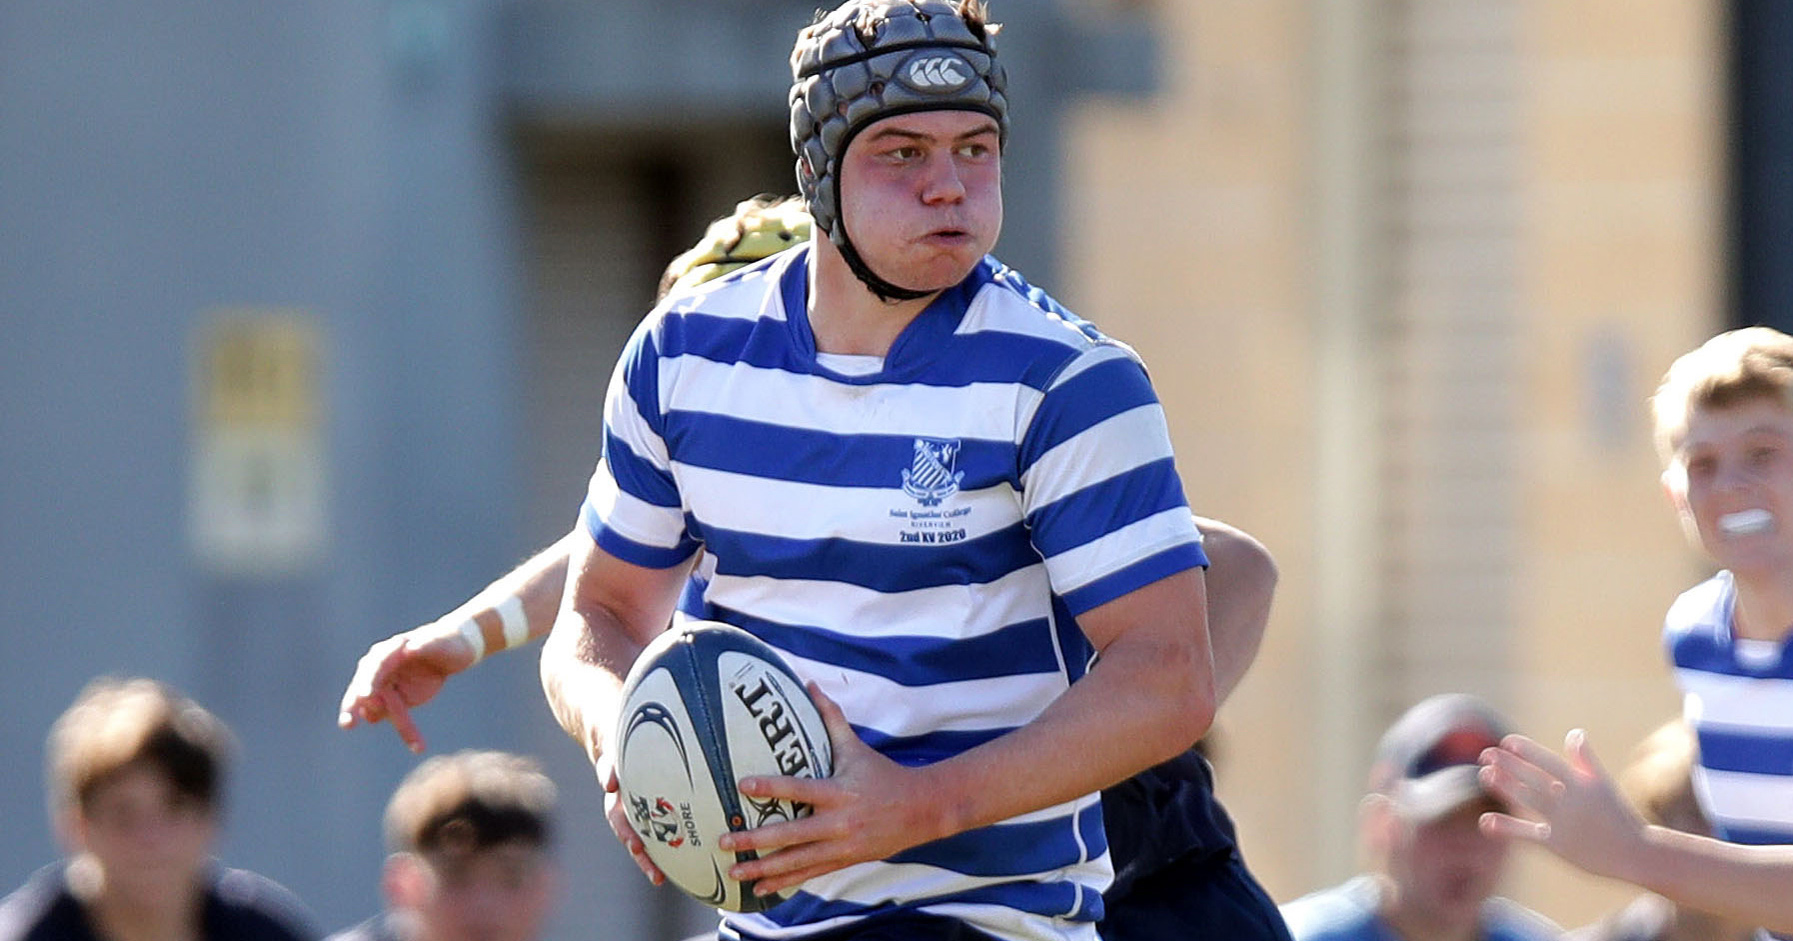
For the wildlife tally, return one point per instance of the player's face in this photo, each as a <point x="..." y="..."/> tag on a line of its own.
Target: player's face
<point x="921" y="196"/>
<point x="150" y="841"/>
<point x="1445" y="868"/>
<point x="502" y="893"/>
<point x="1732" y="480"/>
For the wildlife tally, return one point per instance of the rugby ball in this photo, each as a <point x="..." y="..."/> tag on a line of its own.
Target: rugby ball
<point x="705" y="705"/>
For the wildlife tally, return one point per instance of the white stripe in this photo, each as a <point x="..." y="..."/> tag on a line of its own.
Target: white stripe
<point x="749" y="504"/>
<point x="1754" y="800"/>
<point x="877" y="883"/>
<point x="984" y="410"/>
<point x="633" y="519"/>
<point x="945" y="611"/>
<point x="962" y="706"/>
<point x="1107" y="449"/>
<point x="1075" y="568"/>
<point x="1007" y="923"/>
<point x="1740" y="704"/>
<point x="1097" y="355"/>
<point x="623" y="418"/>
<point x="515" y="621"/>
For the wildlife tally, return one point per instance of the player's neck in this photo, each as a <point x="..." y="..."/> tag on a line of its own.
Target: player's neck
<point x="120" y="918"/>
<point x="845" y="316"/>
<point x="1764" y="609"/>
<point x="1412" y="924"/>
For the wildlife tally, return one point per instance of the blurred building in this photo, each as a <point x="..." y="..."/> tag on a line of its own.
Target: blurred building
<point x="306" y="312"/>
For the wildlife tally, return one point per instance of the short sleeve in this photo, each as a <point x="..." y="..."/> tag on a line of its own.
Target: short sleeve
<point x="1100" y="490"/>
<point x="633" y="509"/>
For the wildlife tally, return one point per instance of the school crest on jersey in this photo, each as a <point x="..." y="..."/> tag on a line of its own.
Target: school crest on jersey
<point x="933" y="473"/>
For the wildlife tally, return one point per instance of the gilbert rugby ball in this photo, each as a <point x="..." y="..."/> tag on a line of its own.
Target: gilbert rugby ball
<point x="705" y="705"/>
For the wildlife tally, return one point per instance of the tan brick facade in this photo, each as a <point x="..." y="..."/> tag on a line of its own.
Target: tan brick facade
<point x="1405" y="274"/>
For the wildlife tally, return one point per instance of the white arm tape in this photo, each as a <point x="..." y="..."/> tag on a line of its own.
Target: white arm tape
<point x="470" y="630"/>
<point x="515" y="621"/>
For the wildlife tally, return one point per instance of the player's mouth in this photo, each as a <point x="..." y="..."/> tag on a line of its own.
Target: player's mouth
<point x="948" y="236"/>
<point x="1746" y="522"/>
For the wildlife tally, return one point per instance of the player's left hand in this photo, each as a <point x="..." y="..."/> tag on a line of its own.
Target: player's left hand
<point x="1575" y="810"/>
<point x="401" y="672"/>
<point x="869" y="809"/>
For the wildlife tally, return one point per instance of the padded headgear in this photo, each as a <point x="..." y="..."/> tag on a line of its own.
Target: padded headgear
<point x="869" y="60"/>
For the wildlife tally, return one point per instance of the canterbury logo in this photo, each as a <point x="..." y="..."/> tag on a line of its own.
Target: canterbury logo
<point x="942" y="72"/>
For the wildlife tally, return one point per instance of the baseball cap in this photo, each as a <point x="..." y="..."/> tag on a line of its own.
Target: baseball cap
<point x="1428" y="761"/>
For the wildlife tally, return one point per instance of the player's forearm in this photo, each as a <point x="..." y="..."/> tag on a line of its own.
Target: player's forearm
<point x="1751" y="884"/>
<point x="583" y="665"/>
<point x="1148" y="698"/>
<point x="1241" y="583"/>
<point x="521" y="606"/>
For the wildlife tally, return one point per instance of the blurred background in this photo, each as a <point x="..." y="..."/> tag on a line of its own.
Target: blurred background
<point x="307" y="311"/>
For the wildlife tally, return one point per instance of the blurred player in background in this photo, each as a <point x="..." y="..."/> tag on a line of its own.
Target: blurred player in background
<point x="136" y="778"/>
<point x="1433" y="873"/>
<point x="470" y="836"/>
<point x="1568" y="804"/>
<point x="1658" y="783"/>
<point x="1723" y="417"/>
<point x="1724" y="430"/>
<point x="1175" y="854"/>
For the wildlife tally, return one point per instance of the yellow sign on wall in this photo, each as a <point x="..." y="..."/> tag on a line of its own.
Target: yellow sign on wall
<point x="257" y="488"/>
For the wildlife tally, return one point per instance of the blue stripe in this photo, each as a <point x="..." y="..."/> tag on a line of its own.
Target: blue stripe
<point x="1058" y="899"/>
<point x="1711" y="651"/>
<point x="637" y="476"/>
<point x="1075" y="647"/>
<point x="1013" y="849"/>
<point x="1105" y="507"/>
<point x="961" y="360"/>
<point x="913" y="751"/>
<point x="1754" y="836"/>
<point x="881" y="568"/>
<point x="800" y="455"/>
<point x="628" y="550"/>
<point x="1752" y="754"/>
<point x="1093" y="396"/>
<point x="1013" y="650"/>
<point x="1136" y="576"/>
<point x="641" y="376"/>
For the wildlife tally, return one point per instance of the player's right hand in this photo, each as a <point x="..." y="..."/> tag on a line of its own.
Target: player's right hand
<point x="618" y="815"/>
<point x="401" y="672"/>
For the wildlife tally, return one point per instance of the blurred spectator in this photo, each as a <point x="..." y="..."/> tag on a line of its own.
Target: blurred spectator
<point x="136" y="780"/>
<point x="1433" y="874"/>
<point x="470" y="836"/>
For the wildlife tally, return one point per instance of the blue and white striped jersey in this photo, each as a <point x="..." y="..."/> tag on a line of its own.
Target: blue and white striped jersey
<point x="917" y="539"/>
<point x="1738" y="699"/>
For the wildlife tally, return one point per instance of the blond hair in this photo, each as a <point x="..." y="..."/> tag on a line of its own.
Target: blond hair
<point x="1731" y="368"/>
<point x="470" y="801"/>
<point x="115" y="724"/>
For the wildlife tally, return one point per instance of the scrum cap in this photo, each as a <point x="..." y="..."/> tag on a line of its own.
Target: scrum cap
<point x="869" y="60"/>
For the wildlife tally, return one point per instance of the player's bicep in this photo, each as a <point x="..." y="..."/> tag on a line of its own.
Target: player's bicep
<point x="1171" y="610"/>
<point x="606" y="591"/>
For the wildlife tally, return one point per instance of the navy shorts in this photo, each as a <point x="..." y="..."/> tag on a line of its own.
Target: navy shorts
<point x="1196" y="897"/>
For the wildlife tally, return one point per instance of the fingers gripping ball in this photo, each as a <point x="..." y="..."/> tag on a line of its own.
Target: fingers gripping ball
<point x="705" y="706"/>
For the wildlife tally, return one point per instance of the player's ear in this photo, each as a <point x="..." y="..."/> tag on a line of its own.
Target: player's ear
<point x="404" y="880"/>
<point x="1375" y="816"/>
<point x="71" y="829"/>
